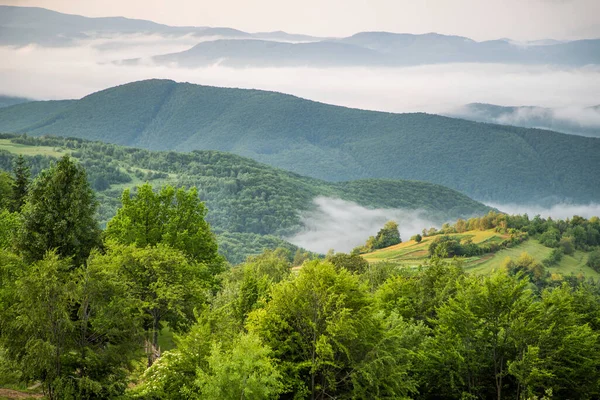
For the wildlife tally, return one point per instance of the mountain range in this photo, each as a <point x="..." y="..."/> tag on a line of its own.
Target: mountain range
<point x="485" y="161"/>
<point x="226" y="46"/>
<point x="34" y="25"/>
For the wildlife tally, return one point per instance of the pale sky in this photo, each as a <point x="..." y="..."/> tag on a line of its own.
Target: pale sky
<point x="477" y="19"/>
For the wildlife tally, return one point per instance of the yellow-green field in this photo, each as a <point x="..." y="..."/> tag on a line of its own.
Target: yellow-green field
<point x="16" y="148"/>
<point x="412" y="254"/>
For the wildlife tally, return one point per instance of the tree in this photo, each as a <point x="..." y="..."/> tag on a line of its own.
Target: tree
<point x="21" y="182"/>
<point x="9" y="226"/>
<point x="174" y="217"/>
<point x="387" y="236"/>
<point x="486" y="325"/>
<point x="351" y="262"/>
<point x="594" y="260"/>
<point x="417" y="238"/>
<point x="59" y="215"/>
<point x="164" y="284"/>
<point x="246" y="371"/>
<point x="331" y="343"/>
<point x="72" y="330"/>
<point x="6" y="190"/>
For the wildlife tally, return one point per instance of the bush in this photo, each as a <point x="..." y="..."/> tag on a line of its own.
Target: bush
<point x="594" y="260"/>
<point x="417" y="238"/>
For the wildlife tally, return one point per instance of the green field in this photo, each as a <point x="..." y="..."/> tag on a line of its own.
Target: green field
<point x="411" y="254"/>
<point x="16" y="148"/>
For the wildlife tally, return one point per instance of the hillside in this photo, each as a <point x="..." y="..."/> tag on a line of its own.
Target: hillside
<point x="487" y="162"/>
<point x="412" y="254"/>
<point x="6" y="101"/>
<point x="243" y="196"/>
<point x="544" y="249"/>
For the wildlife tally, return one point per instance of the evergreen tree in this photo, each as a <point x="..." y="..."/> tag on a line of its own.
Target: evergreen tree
<point x="59" y="215"/>
<point x="20" y="183"/>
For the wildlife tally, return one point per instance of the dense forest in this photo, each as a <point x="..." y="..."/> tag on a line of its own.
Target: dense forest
<point x="86" y="312"/>
<point x="247" y="201"/>
<point x="487" y="162"/>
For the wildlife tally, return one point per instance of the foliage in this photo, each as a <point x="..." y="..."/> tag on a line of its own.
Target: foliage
<point x="9" y="226"/>
<point x="323" y="328"/>
<point x="387" y="236"/>
<point x="70" y="329"/>
<point x="417" y="238"/>
<point x="59" y="215"/>
<point x="594" y="260"/>
<point x="21" y="183"/>
<point x="164" y="285"/>
<point x="6" y="190"/>
<point x="247" y="371"/>
<point x="174" y="217"/>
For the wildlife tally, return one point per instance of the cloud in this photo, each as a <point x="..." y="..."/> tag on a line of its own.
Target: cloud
<point x="73" y="72"/>
<point x="342" y="225"/>
<point x="557" y="211"/>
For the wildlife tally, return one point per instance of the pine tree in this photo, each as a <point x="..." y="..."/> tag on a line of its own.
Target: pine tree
<point x="59" y="215"/>
<point x="20" y="183"/>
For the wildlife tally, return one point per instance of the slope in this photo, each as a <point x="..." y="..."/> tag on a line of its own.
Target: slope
<point x="487" y="162"/>
<point x="243" y="196"/>
<point x="412" y="254"/>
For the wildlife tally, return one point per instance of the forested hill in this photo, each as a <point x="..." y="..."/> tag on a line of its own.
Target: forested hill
<point x="485" y="161"/>
<point x="244" y="198"/>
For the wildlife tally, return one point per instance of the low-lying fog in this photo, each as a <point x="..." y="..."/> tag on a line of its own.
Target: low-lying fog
<point x="342" y="225"/>
<point x="557" y="211"/>
<point x="73" y="72"/>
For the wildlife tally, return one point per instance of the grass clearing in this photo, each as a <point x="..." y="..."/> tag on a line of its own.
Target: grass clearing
<point x="26" y="150"/>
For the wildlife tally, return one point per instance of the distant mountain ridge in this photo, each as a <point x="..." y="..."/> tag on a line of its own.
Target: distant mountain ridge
<point x="382" y="49"/>
<point x="487" y="162"/>
<point x="20" y="26"/>
<point x="25" y="25"/>
<point x="6" y="101"/>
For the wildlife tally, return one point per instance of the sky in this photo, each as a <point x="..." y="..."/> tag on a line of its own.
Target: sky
<point x="477" y="19"/>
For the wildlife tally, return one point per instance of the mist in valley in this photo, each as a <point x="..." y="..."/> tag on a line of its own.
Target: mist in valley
<point x="556" y="211"/>
<point x="76" y="71"/>
<point x="342" y="225"/>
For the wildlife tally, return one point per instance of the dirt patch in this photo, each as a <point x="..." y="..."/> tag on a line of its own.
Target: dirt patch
<point x="15" y="394"/>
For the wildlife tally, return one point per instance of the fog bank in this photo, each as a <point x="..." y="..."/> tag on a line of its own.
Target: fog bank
<point x="73" y="72"/>
<point x="342" y="225"/>
<point x="557" y="211"/>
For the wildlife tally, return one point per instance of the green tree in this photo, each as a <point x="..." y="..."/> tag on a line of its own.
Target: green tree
<point x="6" y="190"/>
<point x="174" y="217"/>
<point x="246" y="371"/>
<point x="9" y="226"/>
<point x="164" y="284"/>
<point x="351" y="262"/>
<point x="21" y="183"/>
<point x="417" y="238"/>
<point x="72" y="330"/>
<point x="594" y="260"/>
<point x="59" y="215"/>
<point x="488" y="323"/>
<point x="387" y="236"/>
<point x="331" y="343"/>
